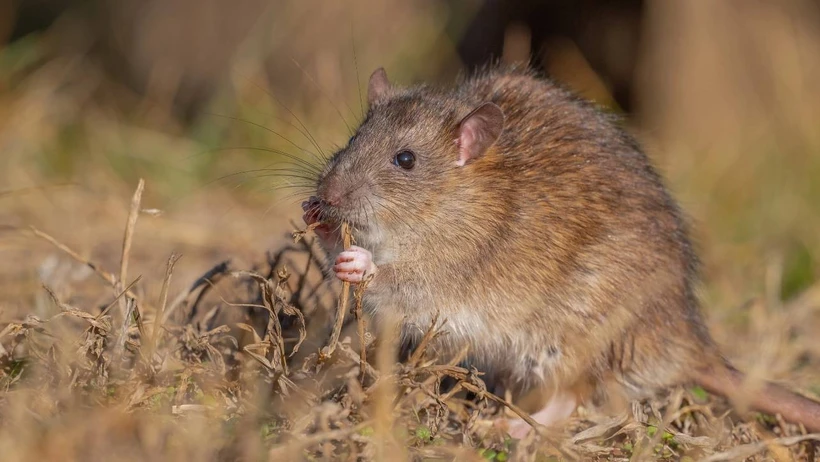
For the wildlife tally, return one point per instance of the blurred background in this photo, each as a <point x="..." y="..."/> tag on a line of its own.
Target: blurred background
<point x="188" y="94"/>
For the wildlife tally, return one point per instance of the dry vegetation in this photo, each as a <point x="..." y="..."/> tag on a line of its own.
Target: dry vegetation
<point x="180" y="319"/>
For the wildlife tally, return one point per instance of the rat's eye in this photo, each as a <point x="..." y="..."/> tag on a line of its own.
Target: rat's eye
<point x="405" y="160"/>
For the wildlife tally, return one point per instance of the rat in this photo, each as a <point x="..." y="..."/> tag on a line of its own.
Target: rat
<point x="539" y="229"/>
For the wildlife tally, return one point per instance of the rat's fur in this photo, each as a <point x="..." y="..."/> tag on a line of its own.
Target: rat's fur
<point x="558" y="255"/>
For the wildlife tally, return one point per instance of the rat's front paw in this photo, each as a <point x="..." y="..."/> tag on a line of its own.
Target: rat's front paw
<point x="354" y="264"/>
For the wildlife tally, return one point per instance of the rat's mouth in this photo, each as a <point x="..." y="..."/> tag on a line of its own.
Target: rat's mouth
<point x="330" y="218"/>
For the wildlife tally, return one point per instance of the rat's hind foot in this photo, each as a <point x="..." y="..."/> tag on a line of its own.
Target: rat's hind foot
<point x="557" y="409"/>
<point x="354" y="264"/>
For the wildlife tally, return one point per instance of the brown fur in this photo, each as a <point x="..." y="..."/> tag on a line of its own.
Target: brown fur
<point x="558" y="255"/>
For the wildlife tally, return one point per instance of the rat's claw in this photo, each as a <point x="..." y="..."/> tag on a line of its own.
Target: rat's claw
<point x="353" y="264"/>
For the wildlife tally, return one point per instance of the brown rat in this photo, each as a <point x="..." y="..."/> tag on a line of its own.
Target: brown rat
<point x="538" y="228"/>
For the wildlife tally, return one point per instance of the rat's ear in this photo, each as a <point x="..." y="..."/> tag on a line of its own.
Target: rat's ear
<point x="477" y="131"/>
<point x="378" y="86"/>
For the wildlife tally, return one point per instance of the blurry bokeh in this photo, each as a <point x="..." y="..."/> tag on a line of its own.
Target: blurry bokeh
<point x="188" y="94"/>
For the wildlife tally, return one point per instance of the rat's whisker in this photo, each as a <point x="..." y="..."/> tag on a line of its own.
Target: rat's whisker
<point x="296" y="187"/>
<point x="296" y="160"/>
<point x="293" y="194"/>
<point x="356" y="67"/>
<point x="311" y="139"/>
<point x="372" y="212"/>
<point x="302" y="131"/>
<point x="306" y="178"/>
<point x="324" y="93"/>
<point x="264" y="172"/>
<point x="268" y="129"/>
<point x="272" y="173"/>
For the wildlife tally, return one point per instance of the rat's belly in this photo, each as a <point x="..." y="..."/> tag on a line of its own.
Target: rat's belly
<point x="512" y="356"/>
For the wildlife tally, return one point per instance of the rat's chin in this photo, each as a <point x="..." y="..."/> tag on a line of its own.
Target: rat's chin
<point x="334" y="227"/>
<point x="355" y="221"/>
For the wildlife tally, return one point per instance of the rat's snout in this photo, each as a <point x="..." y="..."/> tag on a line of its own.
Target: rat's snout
<point x="331" y="192"/>
<point x="342" y="193"/>
<point x="338" y="187"/>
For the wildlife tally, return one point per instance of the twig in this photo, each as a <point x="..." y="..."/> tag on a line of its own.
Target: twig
<point x="273" y="331"/>
<point x="747" y="450"/>
<point x="163" y="301"/>
<point x="129" y="309"/>
<point x="327" y="351"/>
<point x="303" y="280"/>
<point x="299" y="235"/>
<point x="366" y="368"/>
<point x="664" y="421"/>
<point x="432" y="331"/>
<point x="408" y="394"/>
<point x="204" y="281"/>
<point x="357" y="296"/>
<point x="62" y="306"/>
<point x="482" y="393"/>
<point x="119" y="295"/>
<point x="133" y="214"/>
<point x="272" y="300"/>
<point x="105" y="275"/>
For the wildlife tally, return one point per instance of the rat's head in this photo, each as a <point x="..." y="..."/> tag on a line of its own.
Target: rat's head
<point x="405" y="164"/>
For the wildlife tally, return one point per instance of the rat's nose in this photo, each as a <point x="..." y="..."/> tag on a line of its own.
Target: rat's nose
<point x="333" y="199"/>
<point x="331" y="194"/>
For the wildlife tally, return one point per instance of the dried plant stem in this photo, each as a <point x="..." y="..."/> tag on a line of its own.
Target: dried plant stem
<point x="342" y="306"/>
<point x="163" y="301"/>
<point x="104" y="275"/>
<point x="127" y="308"/>
<point x="431" y="332"/>
<point x="517" y="410"/>
<point x="133" y="214"/>
<point x="203" y="283"/>
<point x="128" y="304"/>
<point x="299" y="235"/>
<point x="359" y="293"/>
<point x="117" y="298"/>
<point x="643" y="451"/>
<point x="273" y="331"/>
<point x="748" y="450"/>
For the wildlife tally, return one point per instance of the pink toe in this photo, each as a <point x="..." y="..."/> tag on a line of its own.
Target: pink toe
<point x="344" y="257"/>
<point x="349" y="277"/>
<point x="351" y="266"/>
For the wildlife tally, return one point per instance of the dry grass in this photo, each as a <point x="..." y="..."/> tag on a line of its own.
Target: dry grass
<point x="228" y="369"/>
<point x="181" y="321"/>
